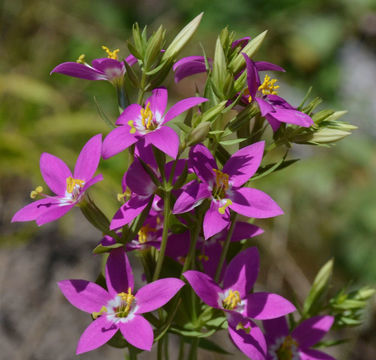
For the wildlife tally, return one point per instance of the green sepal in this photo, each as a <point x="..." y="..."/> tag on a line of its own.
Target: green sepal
<point x="268" y="169"/>
<point x="118" y="341"/>
<point x="154" y="47"/>
<point x="133" y="79"/>
<point x="100" y="249"/>
<point x="232" y="141"/>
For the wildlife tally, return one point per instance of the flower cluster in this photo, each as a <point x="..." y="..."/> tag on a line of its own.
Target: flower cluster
<point x="187" y="203"/>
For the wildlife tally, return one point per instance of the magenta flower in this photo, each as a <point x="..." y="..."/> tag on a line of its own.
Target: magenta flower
<point x="275" y="109"/>
<point x="110" y="69"/>
<point x="295" y="345"/>
<point x="148" y="123"/>
<point x="118" y="307"/>
<point x="239" y="305"/>
<point x="223" y="188"/>
<point x="69" y="189"/>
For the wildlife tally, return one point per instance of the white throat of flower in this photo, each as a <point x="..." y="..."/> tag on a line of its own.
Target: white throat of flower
<point x="73" y="192"/>
<point x="230" y="300"/>
<point x="284" y="348"/>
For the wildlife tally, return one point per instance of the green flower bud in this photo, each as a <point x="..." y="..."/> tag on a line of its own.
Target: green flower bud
<point x="199" y="134"/>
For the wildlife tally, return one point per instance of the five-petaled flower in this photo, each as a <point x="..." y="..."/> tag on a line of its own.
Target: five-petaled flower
<point x="110" y="68"/>
<point x="239" y="305"/>
<point x="118" y="307"/>
<point x="148" y="123"/>
<point x="69" y="189"/>
<point x="223" y="188"/>
<point x="296" y="345"/>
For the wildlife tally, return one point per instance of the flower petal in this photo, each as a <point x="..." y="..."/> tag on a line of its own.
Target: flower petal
<point x="267" y="66"/>
<point x="214" y="221"/>
<point x="119" y="275"/>
<point x="111" y="68"/>
<point x="204" y="286"/>
<point x="138" y="332"/>
<point x="264" y="306"/>
<point x="92" y="181"/>
<point x="292" y="117"/>
<point x="310" y="354"/>
<point x="156" y="294"/>
<point x="55" y="173"/>
<point x="243" y="230"/>
<point x="253" y="81"/>
<point x="275" y="329"/>
<point x="158" y="101"/>
<point x="192" y="195"/>
<point x="202" y="162"/>
<point x="84" y="295"/>
<point x="96" y="334"/>
<point x="253" y="344"/>
<point x="129" y="211"/>
<point x="165" y="139"/>
<point x="312" y="330"/>
<point x="31" y="211"/>
<point x="184" y="67"/>
<point x="242" y="272"/>
<point x="182" y="106"/>
<point x="244" y="163"/>
<point x="80" y="71"/>
<point x="131" y="112"/>
<point x="131" y="60"/>
<point x="52" y="214"/>
<point x="265" y="107"/>
<point x="117" y="140"/>
<point x="88" y="160"/>
<point x="139" y="180"/>
<point x="254" y="203"/>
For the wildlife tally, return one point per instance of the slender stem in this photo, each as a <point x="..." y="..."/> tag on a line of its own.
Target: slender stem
<point x="166" y="347"/>
<point x="193" y="350"/>
<point x="225" y="248"/>
<point x="132" y="353"/>
<point x="160" y="349"/>
<point x="121" y="95"/>
<point x="181" y="348"/>
<point x="162" y="250"/>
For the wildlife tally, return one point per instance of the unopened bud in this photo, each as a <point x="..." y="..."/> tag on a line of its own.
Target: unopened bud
<point x="199" y="134"/>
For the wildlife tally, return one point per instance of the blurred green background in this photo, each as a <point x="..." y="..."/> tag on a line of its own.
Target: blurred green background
<point x="329" y="197"/>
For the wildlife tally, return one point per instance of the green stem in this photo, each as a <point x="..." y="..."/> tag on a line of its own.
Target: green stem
<point x="193" y="349"/>
<point x="132" y="353"/>
<point x="166" y="216"/>
<point x="181" y="348"/>
<point x="160" y="350"/>
<point x="166" y="347"/>
<point x="225" y="248"/>
<point x="122" y="97"/>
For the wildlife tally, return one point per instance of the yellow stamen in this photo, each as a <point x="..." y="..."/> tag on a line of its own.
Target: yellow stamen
<point x="221" y="184"/>
<point x="286" y="349"/>
<point x="81" y="59"/>
<point x="240" y="326"/>
<point x="203" y="257"/>
<point x="111" y="54"/>
<point x="250" y="98"/>
<point x="268" y="87"/>
<point x="133" y="129"/>
<point x="147" y="117"/>
<point x="72" y="183"/>
<point x="38" y="190"/>
<point x="96" y="315"/>
<point x="125" y="195"/>
<point x="223" y="208"/>
<point x="232" y="300"/>
<point x="127" y="299"/>
<point x="144" y="232"/>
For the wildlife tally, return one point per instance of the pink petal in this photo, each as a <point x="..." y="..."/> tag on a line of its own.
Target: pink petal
<point x="264" y="306"/>
<point x="84" y="295"/>
<point x="111" y="68"/>
<point x="88" y="160"/>
<point x="119" y="275"/>
<point x="254" y="203"/>
<point x="96" y="334"/>
<point x="117" y="140"/>
<point x="165" y="139"/>
<point x="131" y="60"/>
<point x="53" y="214"/>
<point x="92" y="181"/>
<point x="253" y="344"/>
<point x="204" y="286"/>
<point x="31" y="211"/>
<point x="202" y="162"/>
<point x="242" y="272"/>
<point x="55" y="173"/>
<point x="214" y="221"/>
<point x="312" y="330"/>
<point x="292" y="117"/>
<point x="310" y="354"/>
<point x="138" y="332"/>
<point x="192" y="195"/>
<point x="156" y="294"/>
<point x="139" y="180"/>
<point x="182" y="106"/>
<point x="80" y="71"/>
<point x="158" y="101"/>
<point x="252" y="76"/>
<point x="244" y="163"/>
<point x="131" y="112"/>
<point x="275" y="329"/>
<point x="264" y="106"/>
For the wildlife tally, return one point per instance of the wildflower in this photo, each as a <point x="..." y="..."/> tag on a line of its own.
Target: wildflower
<point x="238" y="304"/>
<point x="295" y="345"/>
<point x="223" y="188"/>
<point x="275" y="109"/>
<point x="69" y="189"/>
<point x="110" y="68"/>
<point x="137" y="123"/>
<point x="118" y="307"/>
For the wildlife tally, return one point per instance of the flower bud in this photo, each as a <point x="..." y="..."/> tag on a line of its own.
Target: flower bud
<point x="199" y="134"/>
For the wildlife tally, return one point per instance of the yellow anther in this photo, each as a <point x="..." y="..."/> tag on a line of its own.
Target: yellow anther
<point x="221" y="184"/>
<point x="111" y="54"/>
<point x="223" y="208"/>
<point x="203" y="257"/>
<point x="125" y="195"/>
<point x="232" y="300"/>
<point x="72" y="183"/>
<point x="240" y="326"/>
<point x="144" y="232"/>
<point x="147" y="117"/>
<point x="268" y="87"/>
<point x="81" y="59"/>
<point x="250" y="98"/>
<point x="38" y="190"/>
<point x="126" y="303"/>
<point x="96" y="315"/>
<point x="133" y="129"/>
<point x="286" y="350"/>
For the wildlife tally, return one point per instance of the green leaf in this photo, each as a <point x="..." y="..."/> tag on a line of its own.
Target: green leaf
<point x="192" y="333"/>
<point x="232" y="141"/>
<point x="100" y="249"/>
<point x="268" y="169"/>
<point x="212" y="346"/>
